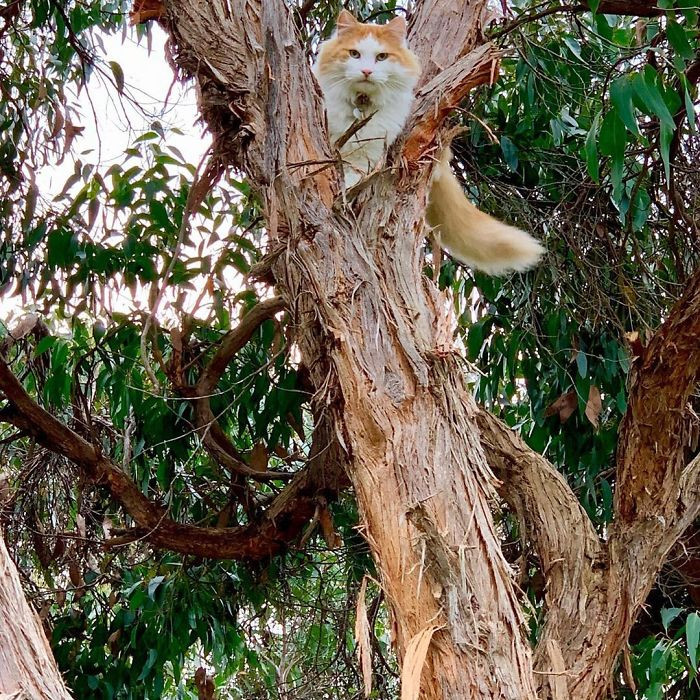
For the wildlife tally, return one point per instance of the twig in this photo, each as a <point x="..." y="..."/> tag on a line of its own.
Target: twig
<point x="352" y="130"/>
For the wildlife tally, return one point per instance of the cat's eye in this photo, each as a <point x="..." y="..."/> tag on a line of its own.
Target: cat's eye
<point x="382" y="56"/>
<point x="354" y="53"/>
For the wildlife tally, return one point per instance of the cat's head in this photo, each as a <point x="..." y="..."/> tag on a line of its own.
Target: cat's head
<point x="369" y="58"/>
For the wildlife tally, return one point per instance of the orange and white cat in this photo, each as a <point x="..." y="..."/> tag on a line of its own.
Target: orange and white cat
<point x="367" y="70"/>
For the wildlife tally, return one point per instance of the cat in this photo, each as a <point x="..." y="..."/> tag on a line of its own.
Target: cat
<point x="367" y="73"/>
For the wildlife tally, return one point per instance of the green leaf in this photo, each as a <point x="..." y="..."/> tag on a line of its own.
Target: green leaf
<point x="668" y="615"/>
<point x="573" y="46"/>
<point x="666" y="137"/>
<point x="159" y="214"/>
<point x="153" y="585"/>
<point x="475" y="339"/>
<point x="613" y="136"/>
<point x="118" y="74"/>
<point x="692" y="636"/>
<point x="679" y="39"/>
<point x="621" y="95"/>
<point x="591" y="150"/>
<point x="640" y="208"/>
<point x="582" y="363"/>
<point x="45" y="344"/>
<point x="621" y="401"/>
<point x="152" y="656"/>
<point x="650" y="96"/>
<point x="510" y="153"/>
<point x="689" y="109"/>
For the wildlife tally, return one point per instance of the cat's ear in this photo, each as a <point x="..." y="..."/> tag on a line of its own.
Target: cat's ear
<point x="345" y="21"/>
<point x="397" y="28"/>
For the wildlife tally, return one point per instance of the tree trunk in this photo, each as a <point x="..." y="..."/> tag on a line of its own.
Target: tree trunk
<point x="381" y="357"/>
<point x="376" y="339"/>
<point x="27" y="667"/>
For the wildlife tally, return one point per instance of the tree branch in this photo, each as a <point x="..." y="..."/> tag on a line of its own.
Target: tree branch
<point x="233" y="341"/>
<point x="571" y="555"/>
<point x="553" y="519"/>
<point x="652" y="451"/>
<point x="437" y="98"/>
<point x="220" y="447"/>
<point x="634" y="8"/>
<point x="460" y="28"/>
<point x="214" y="439"/>
<point x="281" y="522"/>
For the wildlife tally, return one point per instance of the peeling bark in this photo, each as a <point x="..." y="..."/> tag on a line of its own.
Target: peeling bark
<point x="27" y="668"/>
<point x="376" y="340"/>
<point x="414" y="456"/>
<point x="389" y="396"/>
<point x="595" y="589"/>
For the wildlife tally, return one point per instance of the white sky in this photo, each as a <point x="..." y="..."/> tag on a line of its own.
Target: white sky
<point x="112" y="121"/>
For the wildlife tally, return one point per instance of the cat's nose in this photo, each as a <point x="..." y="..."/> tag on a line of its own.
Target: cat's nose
<point x="367" y="72"/>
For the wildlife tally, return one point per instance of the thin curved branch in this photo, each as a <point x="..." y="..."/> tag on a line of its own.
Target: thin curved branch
<point x="233" y="341"/>
<point x="633" y="8"/>
<point x="214" y="439"/>
<point x="220" y="447"/>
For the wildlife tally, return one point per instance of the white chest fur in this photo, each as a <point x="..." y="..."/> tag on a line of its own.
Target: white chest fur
<point x="386" y="99"/>
<point x="362" y="152"/>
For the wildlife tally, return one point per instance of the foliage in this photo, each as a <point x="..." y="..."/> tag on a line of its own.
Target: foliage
<point x="589" y="138"/>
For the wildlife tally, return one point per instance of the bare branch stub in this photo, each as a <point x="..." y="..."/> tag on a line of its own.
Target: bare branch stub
<point x="460" y="61"/>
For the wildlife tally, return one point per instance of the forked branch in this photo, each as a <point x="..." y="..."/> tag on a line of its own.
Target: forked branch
<point x="281" y="522"/>
<point x="233" y="341"/>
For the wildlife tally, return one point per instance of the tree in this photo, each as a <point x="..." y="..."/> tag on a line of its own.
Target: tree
<point x="357" y="350"/>
<point x="27" y="666"/>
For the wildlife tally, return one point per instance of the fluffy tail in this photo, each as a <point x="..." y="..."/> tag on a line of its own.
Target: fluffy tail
<point x="470" y="235"/>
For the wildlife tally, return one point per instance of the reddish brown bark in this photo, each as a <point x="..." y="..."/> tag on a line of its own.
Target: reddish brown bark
<point x="269" y="534"/>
